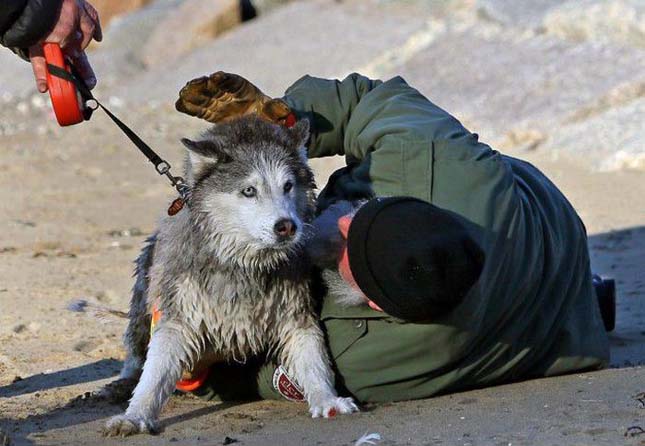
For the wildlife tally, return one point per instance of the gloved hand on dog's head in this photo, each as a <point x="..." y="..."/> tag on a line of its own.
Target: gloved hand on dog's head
<point x="224" y="96"/>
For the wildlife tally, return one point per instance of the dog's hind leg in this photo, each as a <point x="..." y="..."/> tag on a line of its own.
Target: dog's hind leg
<point x="168" y="354"/>
<point x="137" y="334"/>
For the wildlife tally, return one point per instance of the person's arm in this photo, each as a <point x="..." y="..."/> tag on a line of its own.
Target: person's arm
<point x="329" y="105"/>
<point x="391" y="135"/>
<point x="26" y="24"/>
<point x="388" y="129"/>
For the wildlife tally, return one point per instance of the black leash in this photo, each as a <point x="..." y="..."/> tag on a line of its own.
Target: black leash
<point x="161" y="166"/>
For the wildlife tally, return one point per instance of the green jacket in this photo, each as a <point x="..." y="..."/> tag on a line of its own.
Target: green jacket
<point x="533" y="311"/>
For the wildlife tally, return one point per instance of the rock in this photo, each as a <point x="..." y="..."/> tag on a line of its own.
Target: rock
<point x="264" y="6"/>
<point x="618" y="21"/>
<point x="191" y="25"/>
<point x="38" y="101"/>
<point x="119" y="56"/>
<point x="276" y="49"/>
<point x="527" y="139"/>
<point x="108" y="9"/>
<point x="539" y="92"/>
<point x="23" y="108"/>
<point x="131" y="232"/>
<point x="611" y="140"/>
<point x="515" y="13"/>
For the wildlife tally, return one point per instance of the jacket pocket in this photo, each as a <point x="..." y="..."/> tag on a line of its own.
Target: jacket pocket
<point x="343" y="333"/>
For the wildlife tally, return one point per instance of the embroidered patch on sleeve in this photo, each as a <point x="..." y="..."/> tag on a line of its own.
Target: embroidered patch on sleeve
<point x="286" y="386"/>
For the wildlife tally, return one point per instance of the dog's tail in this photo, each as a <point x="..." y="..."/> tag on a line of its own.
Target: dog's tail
<point x="100" y="312"/>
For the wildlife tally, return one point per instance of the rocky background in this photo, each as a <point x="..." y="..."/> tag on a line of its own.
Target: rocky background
<point x="560" y="83"/>
<point x="562" y="76"/>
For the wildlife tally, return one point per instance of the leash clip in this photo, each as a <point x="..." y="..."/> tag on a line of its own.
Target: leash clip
<point x="179" y="184"/>
<point x="182" y="188"/>
<point x="163" y="168"/>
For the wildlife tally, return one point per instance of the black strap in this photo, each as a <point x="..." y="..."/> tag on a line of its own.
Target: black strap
<point x="161" y="166"/>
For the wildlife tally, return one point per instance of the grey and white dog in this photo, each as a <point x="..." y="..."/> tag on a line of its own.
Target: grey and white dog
<point x="229" y="273"/>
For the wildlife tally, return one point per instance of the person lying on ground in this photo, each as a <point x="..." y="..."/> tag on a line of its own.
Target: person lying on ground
<point x="472" y="267"/>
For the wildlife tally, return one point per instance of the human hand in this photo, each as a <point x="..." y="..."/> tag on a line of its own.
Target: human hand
<point x="224" y="96"/>
<point x="77" y="25"/>
<point x="325" y="243"/>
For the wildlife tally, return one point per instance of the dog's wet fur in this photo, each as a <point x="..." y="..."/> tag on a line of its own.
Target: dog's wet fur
<point x="229" y="272"/>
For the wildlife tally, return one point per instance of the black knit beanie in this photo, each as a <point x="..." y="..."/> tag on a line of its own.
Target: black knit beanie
<point x="414" y="260"/>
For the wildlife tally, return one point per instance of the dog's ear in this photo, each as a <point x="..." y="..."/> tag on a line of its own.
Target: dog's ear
<point x="209" y="151"/>
<point x="298" y="135"/>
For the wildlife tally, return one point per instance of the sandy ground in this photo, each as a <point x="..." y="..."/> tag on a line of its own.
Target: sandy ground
<point x="75" y="216"/>
<point x="76" y="204"/>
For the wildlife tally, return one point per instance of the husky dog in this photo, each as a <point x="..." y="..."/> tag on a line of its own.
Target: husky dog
<point x="229" y="272"/>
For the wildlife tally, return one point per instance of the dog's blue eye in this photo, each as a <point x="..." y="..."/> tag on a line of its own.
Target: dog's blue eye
<point x="250" y="192"/>
<point x="287" y="187"/>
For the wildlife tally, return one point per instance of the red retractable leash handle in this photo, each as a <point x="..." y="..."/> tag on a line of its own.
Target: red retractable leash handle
<point x="66" y="100"/>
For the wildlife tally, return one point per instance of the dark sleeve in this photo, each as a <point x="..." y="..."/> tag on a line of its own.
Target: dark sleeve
<point x="24" y="22"/>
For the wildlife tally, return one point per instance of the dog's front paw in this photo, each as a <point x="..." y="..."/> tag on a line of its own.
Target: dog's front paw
<point x="125" y="425"/>
<point x="332" y="406"/>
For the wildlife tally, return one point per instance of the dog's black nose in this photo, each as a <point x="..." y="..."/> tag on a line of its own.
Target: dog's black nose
<point x="285" y="228"/>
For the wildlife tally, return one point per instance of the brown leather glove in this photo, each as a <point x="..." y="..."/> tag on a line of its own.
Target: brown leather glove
<point x="225" y="96"/>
